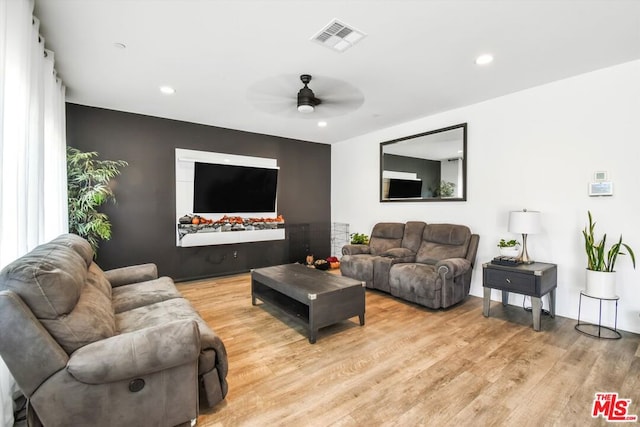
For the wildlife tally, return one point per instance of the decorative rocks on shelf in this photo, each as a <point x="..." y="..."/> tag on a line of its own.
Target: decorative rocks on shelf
<point x="200" y="224"/>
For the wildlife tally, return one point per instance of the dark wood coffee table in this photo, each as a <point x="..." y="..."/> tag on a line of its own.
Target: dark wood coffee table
<point x="313" y="297"/>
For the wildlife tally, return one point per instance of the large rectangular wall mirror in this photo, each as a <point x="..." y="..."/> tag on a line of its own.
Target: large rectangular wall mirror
<point x="427" y="167"/>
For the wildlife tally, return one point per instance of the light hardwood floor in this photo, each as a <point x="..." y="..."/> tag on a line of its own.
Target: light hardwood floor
<point x="409" y="365"/>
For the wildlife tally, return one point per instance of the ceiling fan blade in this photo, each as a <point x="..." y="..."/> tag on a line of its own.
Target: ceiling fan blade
<point x="350" y="101"/>
<point x="271" y="96"/>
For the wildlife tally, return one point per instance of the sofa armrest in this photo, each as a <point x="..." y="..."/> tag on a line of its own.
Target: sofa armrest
<point x="403" y="254"/>
<point x="131" y="274"/>
<point x="453" y="267"/>
<point x="136" y="353"/>
<point x="355" y="249"/>
<point x="26" y="347"/>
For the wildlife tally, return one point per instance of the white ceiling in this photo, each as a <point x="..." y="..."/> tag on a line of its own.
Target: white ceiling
<point x="225" y="58"/>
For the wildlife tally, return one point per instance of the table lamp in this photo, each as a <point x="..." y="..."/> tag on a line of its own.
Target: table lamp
<point x="524" y="222"/>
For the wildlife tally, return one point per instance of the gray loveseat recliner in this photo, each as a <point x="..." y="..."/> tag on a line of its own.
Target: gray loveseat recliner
<point x="428" y="264"/>
<point x="390" y="243"/>
<point x="114" y="348"/>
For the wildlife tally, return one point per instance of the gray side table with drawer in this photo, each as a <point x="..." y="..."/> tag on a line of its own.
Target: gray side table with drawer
<point x="534" y="280"/>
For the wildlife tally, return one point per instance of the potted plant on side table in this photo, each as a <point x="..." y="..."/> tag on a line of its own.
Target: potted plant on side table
<point x="601" y="279"/>
<point x="510" y="248"/>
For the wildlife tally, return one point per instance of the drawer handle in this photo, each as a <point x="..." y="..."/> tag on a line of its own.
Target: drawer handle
<point x="508" y="280"/>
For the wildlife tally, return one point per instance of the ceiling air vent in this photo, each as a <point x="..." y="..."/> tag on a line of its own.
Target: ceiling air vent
<point x="338" y="36"/>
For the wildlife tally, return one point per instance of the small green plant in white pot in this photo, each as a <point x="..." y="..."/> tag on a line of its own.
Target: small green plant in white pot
<point x="601" y="278"/>
<point x="510" y="248"/>
<point x="447" y="189"/>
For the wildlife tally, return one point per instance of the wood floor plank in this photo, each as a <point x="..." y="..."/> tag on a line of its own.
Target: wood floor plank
<point x="409" y="365"/>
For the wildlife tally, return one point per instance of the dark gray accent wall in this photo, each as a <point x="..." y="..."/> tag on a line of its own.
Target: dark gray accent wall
<point x="144" y="217"/>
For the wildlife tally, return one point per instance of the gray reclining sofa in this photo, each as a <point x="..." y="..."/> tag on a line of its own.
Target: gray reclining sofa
<point x="114" y="348"/>
<point x="428" y="264"/>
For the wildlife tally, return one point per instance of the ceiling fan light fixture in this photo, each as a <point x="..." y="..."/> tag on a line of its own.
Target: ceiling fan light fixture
<point x="306" y="98"/>
<point x="305" y="108"/>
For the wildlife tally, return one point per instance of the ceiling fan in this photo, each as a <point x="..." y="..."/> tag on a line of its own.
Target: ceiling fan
<point x="277" y="95"/>
<point x="307" y="101"/>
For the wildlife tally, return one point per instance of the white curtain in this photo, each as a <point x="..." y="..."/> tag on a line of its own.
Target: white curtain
<point x="33" y="197"/>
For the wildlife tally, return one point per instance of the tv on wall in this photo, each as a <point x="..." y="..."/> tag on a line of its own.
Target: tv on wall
<point x="404" y="188"/>
<point x="221" y="188"/>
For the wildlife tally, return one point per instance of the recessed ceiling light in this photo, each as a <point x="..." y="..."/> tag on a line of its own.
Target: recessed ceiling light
<point x="120" y="45"/>
<point x="322" y="124"/>
<point x="167" y="90"/>
<point x="484" y="59"/>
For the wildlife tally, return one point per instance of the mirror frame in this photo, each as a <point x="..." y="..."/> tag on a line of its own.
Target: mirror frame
<point x="462" y="126"/>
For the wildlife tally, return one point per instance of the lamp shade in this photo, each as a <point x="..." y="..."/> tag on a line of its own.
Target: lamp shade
<point x="524" y="222"/>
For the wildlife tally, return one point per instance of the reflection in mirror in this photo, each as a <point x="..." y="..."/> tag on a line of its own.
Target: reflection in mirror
<point x="430" y="166"/>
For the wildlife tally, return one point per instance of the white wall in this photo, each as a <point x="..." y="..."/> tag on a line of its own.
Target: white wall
<point x="535" y="149"/>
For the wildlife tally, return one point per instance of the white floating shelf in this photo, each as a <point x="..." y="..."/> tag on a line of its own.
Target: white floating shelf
<point x="229" y="237"/>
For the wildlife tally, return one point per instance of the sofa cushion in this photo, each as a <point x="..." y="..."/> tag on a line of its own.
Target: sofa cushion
<point x="384" y="236"/>
<point x="175" y="309"/>
<point x="128" y="297"/>
<point x="131" y="274"/>
<point x="71" y="301"/>
<point x="443" y="241"/>
<point x="412" y="237"/>
<point x="97" y="279"/>
<point x="92" y="319"/>
<point x="417" y="283"/>
<point x="359" y="267"/>
<point x="78" y="244"/>
<point x="49" y="279"/>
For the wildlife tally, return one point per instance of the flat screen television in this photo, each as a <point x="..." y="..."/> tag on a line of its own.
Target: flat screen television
<point x="404" y="188"/>
<point x="221" y="188"/>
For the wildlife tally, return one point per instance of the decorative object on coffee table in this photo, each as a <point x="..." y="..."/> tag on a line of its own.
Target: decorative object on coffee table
<point x="321" y="264"/>
<point x="334" y="262"/>
<point x="309" y="261"/>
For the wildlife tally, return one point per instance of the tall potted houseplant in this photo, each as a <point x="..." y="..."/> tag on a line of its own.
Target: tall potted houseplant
<point x="600" y="279"/>
<point x="88" y="188"/>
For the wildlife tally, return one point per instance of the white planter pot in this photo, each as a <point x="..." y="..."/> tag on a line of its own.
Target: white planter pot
<point x="601" y="284"/>
<point x="512" y="252"/>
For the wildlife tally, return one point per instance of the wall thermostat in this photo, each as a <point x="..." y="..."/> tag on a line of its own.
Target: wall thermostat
<point x="601" y="188"/>
<point x="600" y="176"/>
